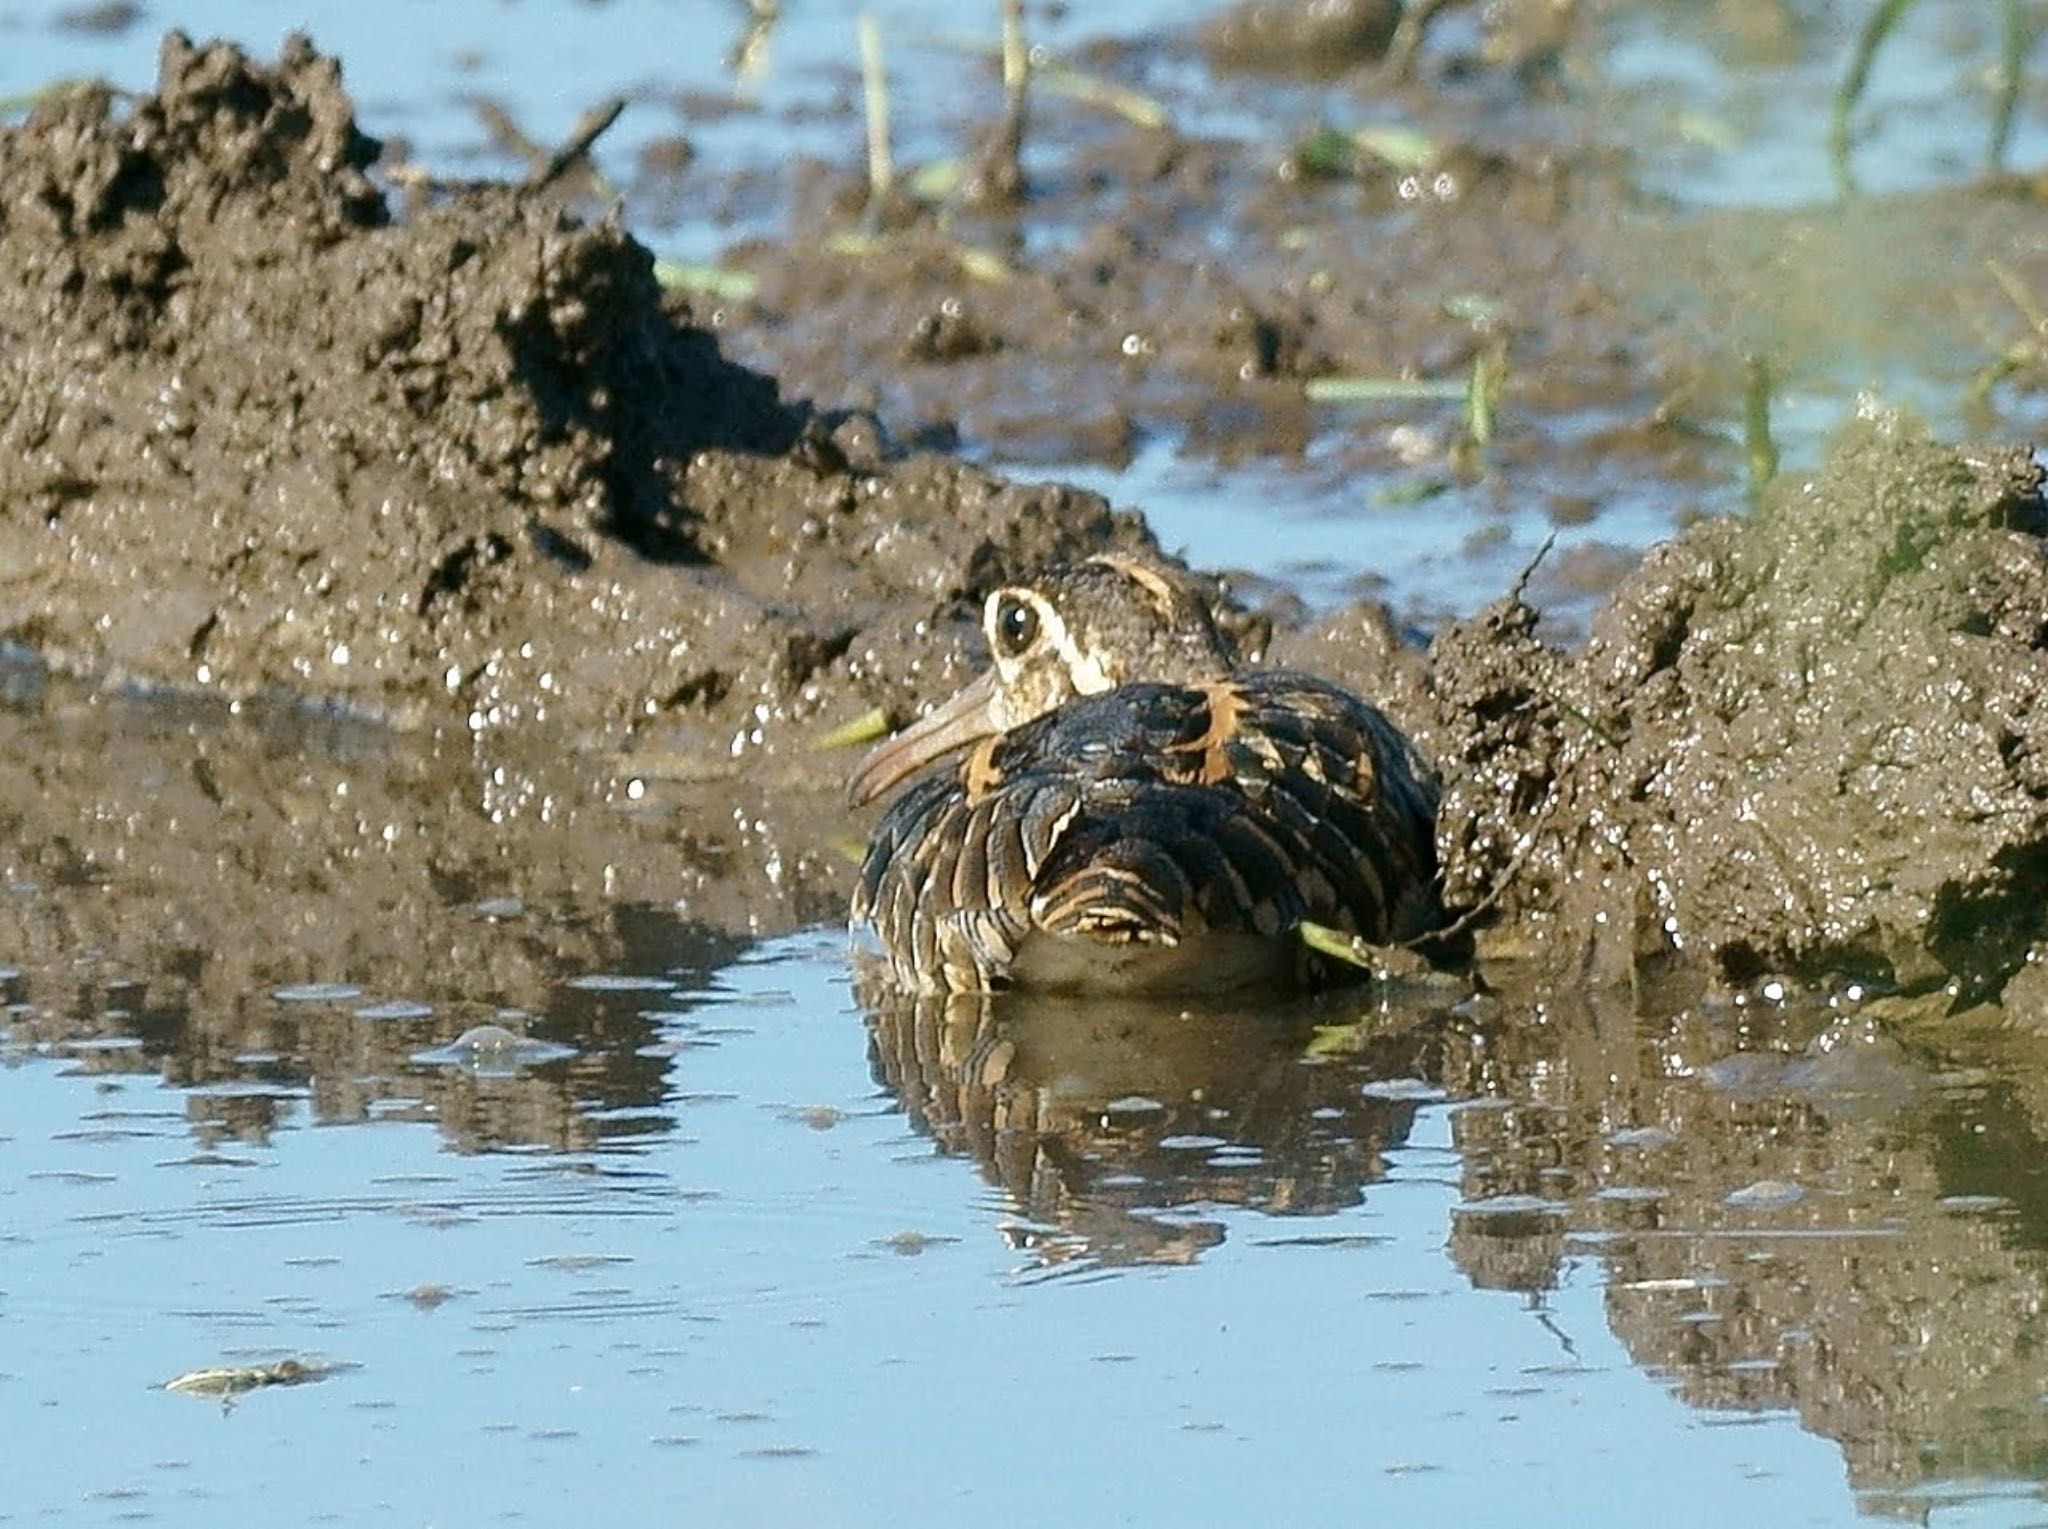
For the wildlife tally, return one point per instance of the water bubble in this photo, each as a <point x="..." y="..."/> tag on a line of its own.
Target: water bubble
<point x="492" y="1049"/>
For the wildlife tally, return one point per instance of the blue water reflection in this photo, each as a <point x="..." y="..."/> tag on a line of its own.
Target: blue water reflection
<point x="788" y="1304"/>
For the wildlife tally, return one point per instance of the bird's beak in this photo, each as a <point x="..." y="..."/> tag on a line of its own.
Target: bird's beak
<point x="956" y="724"/>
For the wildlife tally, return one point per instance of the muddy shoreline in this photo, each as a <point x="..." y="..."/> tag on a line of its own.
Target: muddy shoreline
<point x="473" y="473"/>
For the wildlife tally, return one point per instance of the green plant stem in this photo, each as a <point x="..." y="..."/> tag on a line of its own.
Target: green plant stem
<point x="2012" y="60"/>
<point x="875" y="90"/>
<point x="1887" y="16"/>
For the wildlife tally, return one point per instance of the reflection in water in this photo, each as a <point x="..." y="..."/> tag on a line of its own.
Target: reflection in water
<point x="1818" y="1221"/>
<point x="1794" y="1227"/>
<point x="1109" y="1123"/>
<point x="278" y="910"/>
<point x="1787" y="1210"/>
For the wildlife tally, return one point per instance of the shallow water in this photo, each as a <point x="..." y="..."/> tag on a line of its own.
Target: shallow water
<point x="558" y="1196"/>
<point x="722" y="1242"/>
<point x="739" y="1257"/>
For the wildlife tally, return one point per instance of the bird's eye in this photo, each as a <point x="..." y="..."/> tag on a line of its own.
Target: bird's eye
<point x="1016" y="627"/>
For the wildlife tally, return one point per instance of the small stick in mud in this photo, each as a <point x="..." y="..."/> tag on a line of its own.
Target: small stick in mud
<point x="589" y="128"/>
<point x="875" y="90"/>
<point x="1759" y="448"/>
<point x="750" y="54"/>
<point x="1408" y="36"/>
<point x="1520" y="587"/>
<point x="1005" y="180"/>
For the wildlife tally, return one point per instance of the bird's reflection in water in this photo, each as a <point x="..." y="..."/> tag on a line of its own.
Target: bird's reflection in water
<point x="1110" y="1124"/>
<point x="1788" y="1210"/>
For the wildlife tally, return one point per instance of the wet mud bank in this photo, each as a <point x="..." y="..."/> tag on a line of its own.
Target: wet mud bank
<point x="469" y="468"/>
<point x="471" y="471"/>
<point x="1812" y="741"/>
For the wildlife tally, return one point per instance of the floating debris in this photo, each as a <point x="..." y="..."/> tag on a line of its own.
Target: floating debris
<point x="230" y="1381"/>
<point x="1765" y="1194"/>
<point x="429" y="1297"/>
<point x="619" y="982"/>
<point x="317" y="992"/>
<point x="910" y="1244"/>
<point x="579" y="1263"/>
<point x="395" y="1008"/>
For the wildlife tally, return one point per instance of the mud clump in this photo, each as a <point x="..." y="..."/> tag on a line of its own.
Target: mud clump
<point x="1316" y="37"/>
<point x="472" y="467"/>
<point x="1811" y="741"/>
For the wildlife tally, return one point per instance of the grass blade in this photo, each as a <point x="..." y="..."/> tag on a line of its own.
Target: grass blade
<point x="875" y="91"/>
<point x="865" y="728"/>
<point x="2012" y="61"/>
<point x="1886" y="17"/>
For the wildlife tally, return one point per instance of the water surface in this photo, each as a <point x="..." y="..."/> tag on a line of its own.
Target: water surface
<point x="563" y="1196"/>
<point x="763" y="1290"/>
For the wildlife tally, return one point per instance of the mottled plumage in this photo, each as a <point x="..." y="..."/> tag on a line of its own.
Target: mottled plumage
<point x="1144" y="830"/>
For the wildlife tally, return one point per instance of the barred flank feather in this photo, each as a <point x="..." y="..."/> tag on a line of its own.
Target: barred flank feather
<point x="1163" y="817"/>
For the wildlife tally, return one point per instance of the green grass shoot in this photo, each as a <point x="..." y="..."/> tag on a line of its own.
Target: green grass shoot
<point x="865" y="728"/>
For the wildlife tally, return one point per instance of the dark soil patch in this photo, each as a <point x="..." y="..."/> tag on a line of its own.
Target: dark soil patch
<point x="470" y="468"/>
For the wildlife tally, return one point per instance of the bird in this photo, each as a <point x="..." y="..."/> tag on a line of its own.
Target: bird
<point x="1120" y="804"/>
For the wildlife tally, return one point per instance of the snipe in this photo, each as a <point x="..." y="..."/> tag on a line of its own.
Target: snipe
<point x="1134" y="810"/>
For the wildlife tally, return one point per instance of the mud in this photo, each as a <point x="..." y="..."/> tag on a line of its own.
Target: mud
<point x="1159" y="282"/>
<point x="473" y="473"/>
<point x="1812" y="741"/>
<point x="465" y="470"/>
<point x="1325" y="37"/>
<point x="1169" y="283"/>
